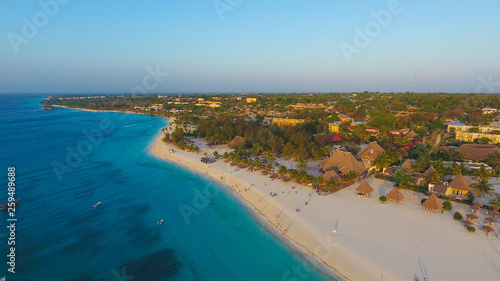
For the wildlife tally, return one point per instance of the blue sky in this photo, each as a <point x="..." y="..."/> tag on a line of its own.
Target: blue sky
<point x="252" y="46"/>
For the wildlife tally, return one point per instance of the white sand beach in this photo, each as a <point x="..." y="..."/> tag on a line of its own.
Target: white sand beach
<point x="373" y="240"/>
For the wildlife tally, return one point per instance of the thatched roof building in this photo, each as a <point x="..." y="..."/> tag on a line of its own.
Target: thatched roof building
<point x="478" y="152"/>
<point x="406" y="166"/>
<point x="371" y="151"/>
<point x="331" y="175"/>
<point x="432" y="203"/>
<point x="342" y="162"/>
<point x="428" y="172"/>
<point x="236" y="141"/>
<point x="395" y="195"/>
<point x="365" y="188"/>
<point x="459" y="183"/>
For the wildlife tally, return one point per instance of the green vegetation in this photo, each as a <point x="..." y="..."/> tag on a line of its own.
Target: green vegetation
<point x="457" y="216"/>
<point x="382" y="198"/>
<point x="447" y="205"/>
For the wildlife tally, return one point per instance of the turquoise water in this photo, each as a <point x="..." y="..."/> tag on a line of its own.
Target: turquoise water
<point x="64" y="168"/>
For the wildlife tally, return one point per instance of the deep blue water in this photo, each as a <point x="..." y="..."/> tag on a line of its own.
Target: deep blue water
<point x="63" y="168"/>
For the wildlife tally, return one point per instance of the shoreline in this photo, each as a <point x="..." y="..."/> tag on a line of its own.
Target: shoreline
<point x="373" y="241"/>
<point x="264" y="211"/>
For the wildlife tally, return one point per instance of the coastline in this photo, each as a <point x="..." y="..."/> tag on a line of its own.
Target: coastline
<point x="323" y="256"/>
<point x="373" y="241"/>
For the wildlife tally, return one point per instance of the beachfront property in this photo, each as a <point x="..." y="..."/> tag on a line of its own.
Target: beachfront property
<point x="477" y="152"/>
<point x="342" y="163"/>
<point x="251" y="100"/>
<point x="287" y="122"/>
<point x="458" y="187"/>
<point x="370" y="152"/>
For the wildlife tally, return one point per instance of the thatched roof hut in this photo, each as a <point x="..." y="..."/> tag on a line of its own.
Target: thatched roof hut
<point x="331" y="175"/>
<point x="428" y="172"/>
<point x="365" y="188"/>
<point x="432" y="203"/>
<point x="406" y="166"/>
<point x="236" y="141"/>
<point x="478" y="152"/>
<point x="343" y="162"/>
<point x="395" y="195"/>
<point x="371" y="151"/>
<point x="460" y="183"/>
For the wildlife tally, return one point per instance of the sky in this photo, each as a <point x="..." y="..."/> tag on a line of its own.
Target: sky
<point x="243" y="46"/>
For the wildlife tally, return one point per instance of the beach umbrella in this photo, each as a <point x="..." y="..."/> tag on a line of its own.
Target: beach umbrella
<point x="467" y="222"/>
<point x="494" y="213"/>
<point x="478" y="204"/>
<point x="487" y="228"/>
<point x="490" y="220"/>
<point x="472" y="216"/>
<point x="475" y="208"/>
<point x="285" y="178"/>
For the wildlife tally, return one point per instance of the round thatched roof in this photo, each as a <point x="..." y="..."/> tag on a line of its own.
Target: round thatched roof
<point x="475" y="208"/>
<point x="395" y="195"/>
<point x="432" y="203"/>
<point x="364" y="187"/>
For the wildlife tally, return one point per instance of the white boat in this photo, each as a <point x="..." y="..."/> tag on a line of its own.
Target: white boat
<point x="97" y="204"/>
<point x="160" y="221"/>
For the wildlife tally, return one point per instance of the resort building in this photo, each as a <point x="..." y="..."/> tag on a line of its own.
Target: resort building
<point x="236" y="142"/>
<point x="334" y="127"/>
<point x="459" y="186"/>
<point x="370" y="152"/>
<point x="287" y="122"/>
<point x="470" y="137"/>
<point x="251" y="100"/>
<point x="477" y="152"/>
<point x="342" y="162"/>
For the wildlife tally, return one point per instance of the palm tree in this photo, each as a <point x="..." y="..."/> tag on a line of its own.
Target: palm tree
<point x="216" y="154"/>
<point x="258" y="164"/>
<point x="483" y="187"/>
<point x="282" y="170"/>
<point x="456" y="169"/>
<point x="482" y="173"/>
<point x="421" y="164"/>
<point x="302" y="164"/>
<point x="331" y="185"/>
<point x="495" y="203"/>
<point x="270" y="157"/>
<point x="320" y="179"/>
<point x="302" y="176"/>
<point x="294" y="174"/>
<point x="270" y="168"/>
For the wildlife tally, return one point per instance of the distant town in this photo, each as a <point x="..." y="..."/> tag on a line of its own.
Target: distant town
<point x="446" y="144"/>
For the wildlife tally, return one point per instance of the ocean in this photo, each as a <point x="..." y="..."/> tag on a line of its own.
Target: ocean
<point x="67" y="160"/>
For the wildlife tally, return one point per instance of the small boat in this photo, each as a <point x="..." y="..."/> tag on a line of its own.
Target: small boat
<point x="97" y="204"/>
<point x="76" y="122"/>
<point x="160" y="221"/>
<point x="5" y="207"/>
